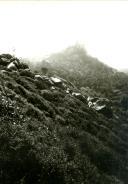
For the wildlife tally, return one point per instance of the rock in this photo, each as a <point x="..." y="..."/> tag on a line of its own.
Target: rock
<point x="38" y="77"/>
<point x="53" y="88"/>
<point x="79" y="96"/>
<point x="7" y="56"/>
<point x="12" y="66"/>
<point x="43" y="82"/>
<point x="44" y="78"/>
<point x="16" y="62"/>
<point x="101" y="105"/>
<point x="27" y="73"/>
<point x="76" y="94"/>
<point x="98" y="108"/>
<point x="56" y="80"/>
<point x="59" y="82"/>
<point x="92" y="99"/>
<point x="3" y="72"/>
<point x="47" y="80"/>
<point x="67" y="90"/>
<point x="4" y="61"/>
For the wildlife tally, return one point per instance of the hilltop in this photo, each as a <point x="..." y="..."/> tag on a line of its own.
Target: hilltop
<point x="53" y="132"/>
<point x="88" y="74"/>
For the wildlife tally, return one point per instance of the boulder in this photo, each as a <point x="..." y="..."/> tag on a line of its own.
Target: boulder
<point x="59" y="82"/>
<point x="53" y="88"/>
<point x="11" y="66"/>
<point x="67" y="90"/>
<point x="43" y="82"/>
<point x="47" y="80"/>
<point x="4" y="61"/>
<point x="7" y="56"/>
<point x="101" y="105"/>
<point x="38" y="77"/>
<point x="15" y="61"/>
<point x="56" y="80"/>
<point x="79" y="96"/>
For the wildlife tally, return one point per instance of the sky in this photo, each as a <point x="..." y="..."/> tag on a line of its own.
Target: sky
<point x="34" y="29"/>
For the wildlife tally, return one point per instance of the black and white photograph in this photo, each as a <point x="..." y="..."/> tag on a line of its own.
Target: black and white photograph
<point x="63" y="92"/>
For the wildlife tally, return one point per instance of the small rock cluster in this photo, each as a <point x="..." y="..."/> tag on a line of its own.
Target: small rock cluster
<point x="10" y="62"/>
<point x="101" y="105"/>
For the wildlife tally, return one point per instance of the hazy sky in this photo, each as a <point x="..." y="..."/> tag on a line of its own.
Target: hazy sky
<point x="35" y="29"/>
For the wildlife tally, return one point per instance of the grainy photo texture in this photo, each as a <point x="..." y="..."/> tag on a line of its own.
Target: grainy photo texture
<point x="63" y="92"/>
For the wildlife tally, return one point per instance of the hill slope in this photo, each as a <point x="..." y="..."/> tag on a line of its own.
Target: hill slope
<point x="74" y="64"/>
<point x="49" y="134"/>
<point x="88" y="74"/>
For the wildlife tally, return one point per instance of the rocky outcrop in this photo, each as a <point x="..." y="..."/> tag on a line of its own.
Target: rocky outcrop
<point x="102" y="105"/>
<point x="42" y="82"/>
<point x="11" y="63"/>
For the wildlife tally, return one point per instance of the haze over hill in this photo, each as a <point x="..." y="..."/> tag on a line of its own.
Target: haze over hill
<point x="34" y="29"/>
<point x="76" y="65"/>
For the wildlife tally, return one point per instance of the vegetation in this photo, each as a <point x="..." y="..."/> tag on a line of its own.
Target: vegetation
<point x="49" y="136"/>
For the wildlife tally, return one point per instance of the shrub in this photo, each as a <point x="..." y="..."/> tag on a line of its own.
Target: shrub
<point x="27" y="73"/>
<point x="34" y="112"/>
<point x="26" y="84"/>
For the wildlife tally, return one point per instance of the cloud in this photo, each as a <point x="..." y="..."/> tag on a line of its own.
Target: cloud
<point x="38" y="28"/>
